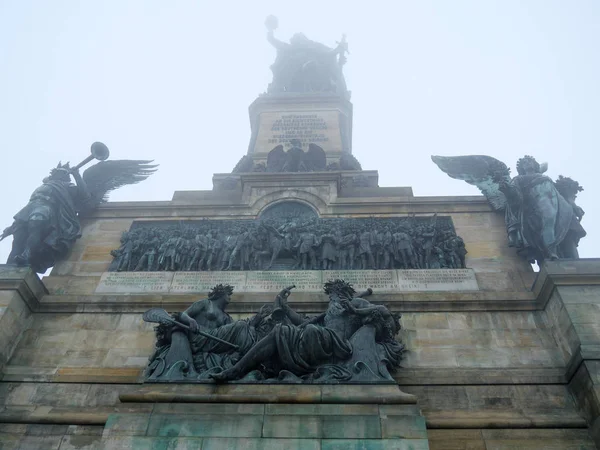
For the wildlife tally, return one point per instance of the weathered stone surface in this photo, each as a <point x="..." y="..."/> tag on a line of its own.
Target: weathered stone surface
<point x="213" y="408"/>
<point x="205" y="426"/>
<point x="259" y="444"/>
<point x="320" y="127"/>
<point x="20" y="293"/>
<point x="445" y="348"/>
<point x="273" y="281"/>
<point x="456" y="440"/>
<point x="80" y="442"/>
<point x="264" y="281"/>
<point x="248" y="393"/>
<point x="325" y="409"/>
<point x="292" y="426"/>
<point x="135" y="282"/>
<point x="351" y="427"/>
<point x="202" y="282"/>
<point x="126" y="425"/>
<point x="404" y="426"/>
<point x="558" y="439"/>
<point x="494" y="356"/>
<point x="374" y="444"/>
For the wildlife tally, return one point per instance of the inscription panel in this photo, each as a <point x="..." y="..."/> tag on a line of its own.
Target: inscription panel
<point x="383" y="281"/>
<point x="437" y="280"/>
<point x="271" y="281"/>
<point x="135" y="282"/>
<point x="197" y="282"/>
<point x="379" y="280"/>
<point x="316" y="127"/>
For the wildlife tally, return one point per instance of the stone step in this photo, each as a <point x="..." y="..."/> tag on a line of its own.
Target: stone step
<point x="285" y="426"/>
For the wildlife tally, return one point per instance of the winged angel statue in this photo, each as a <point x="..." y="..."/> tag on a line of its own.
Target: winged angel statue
<point x="47" y="227"/>
<point x="542" y="219"/>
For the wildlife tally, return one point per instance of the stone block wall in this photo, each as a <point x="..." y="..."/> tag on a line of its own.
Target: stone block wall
<point x="20" y="290"/>
<point x="488" y="341"/>
<point x="440" y="347"/>
<point x="489" y="369"/>
<point x="82" y="347"/>
<point x="14" y="319"/>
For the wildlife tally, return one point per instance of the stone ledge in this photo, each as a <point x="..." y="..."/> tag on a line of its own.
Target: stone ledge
<point x="565" y="273"/>
<point x="96" y="415"/>
<point x="142" y="442"/>
<point x="303" y="302"/>
<point x="98" y="375"/>
<point x="502" y="419"/>
<point x="504" y="439"/>
<point x="554" y="273"/>
<point x="404" y="377"/>
<point x="480" y="376"/>
<point x="104" y="375"/>
<point x="260" y="393"/>
<point x="25" y="282"/>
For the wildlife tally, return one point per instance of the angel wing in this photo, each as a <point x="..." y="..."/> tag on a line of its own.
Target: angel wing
<point x="349" y="162"/>
<point x="315" y="158"/>
<point x="276" y="159"/>
<point x="107" y="176"/>
<point x="244" y="165"/>
<point x="482" y="171"/>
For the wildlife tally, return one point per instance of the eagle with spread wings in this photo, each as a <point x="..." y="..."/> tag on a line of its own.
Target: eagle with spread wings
<point x="296" y="159"/>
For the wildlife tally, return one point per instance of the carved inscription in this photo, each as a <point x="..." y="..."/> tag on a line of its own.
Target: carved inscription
<point x="272" y="281"/>
<point x="134" y="282"/>
<point x="382" y="281"/>
<point x="437" y="280"/>
<point x="192" y="282"/>
<point x="379" y="280"/>
<point x="307" y="128"/>
<point x="281" y="127"/>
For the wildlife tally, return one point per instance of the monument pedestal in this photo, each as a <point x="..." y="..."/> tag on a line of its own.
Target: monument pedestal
<point x="315" y="118"/>
<point x="494" y="362"/>
<point x="269" y="417"/>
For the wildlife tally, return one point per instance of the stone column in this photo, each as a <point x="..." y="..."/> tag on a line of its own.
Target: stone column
<point x="571" y="290"/>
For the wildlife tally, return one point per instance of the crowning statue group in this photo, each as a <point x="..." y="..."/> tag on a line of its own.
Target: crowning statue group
<point x="303" y="244"/>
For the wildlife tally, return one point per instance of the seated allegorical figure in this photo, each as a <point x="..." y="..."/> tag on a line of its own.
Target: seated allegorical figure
<point x="353" y="340"/>
<point x="186" y="354"/>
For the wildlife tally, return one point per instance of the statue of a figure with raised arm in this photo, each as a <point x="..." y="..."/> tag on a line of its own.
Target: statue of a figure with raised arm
<point x="303" y="65"/>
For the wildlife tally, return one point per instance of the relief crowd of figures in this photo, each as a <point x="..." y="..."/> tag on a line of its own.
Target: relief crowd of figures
<point x="302" y="244"/>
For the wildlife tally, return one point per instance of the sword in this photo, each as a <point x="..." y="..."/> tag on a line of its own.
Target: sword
<point x="158" y="315"/>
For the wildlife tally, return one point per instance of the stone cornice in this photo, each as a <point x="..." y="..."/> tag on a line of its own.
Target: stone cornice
<point x="25" y="282"/>
<point x="567" y="272"/>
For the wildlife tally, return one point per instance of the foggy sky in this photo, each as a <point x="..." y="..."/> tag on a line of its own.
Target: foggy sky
<point x="172" y="81"/>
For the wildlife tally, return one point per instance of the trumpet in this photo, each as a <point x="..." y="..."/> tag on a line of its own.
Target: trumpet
<point x="98" y="151"/>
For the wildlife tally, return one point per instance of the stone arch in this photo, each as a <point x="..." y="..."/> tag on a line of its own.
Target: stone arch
<point x="288" y="208"/>
<point x="289" y="195"/>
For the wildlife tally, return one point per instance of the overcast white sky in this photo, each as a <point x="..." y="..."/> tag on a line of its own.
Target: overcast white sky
<point x="172" y="81"/>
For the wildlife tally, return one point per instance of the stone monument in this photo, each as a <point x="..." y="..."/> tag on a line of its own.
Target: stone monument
<point x="298" y="304"/>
